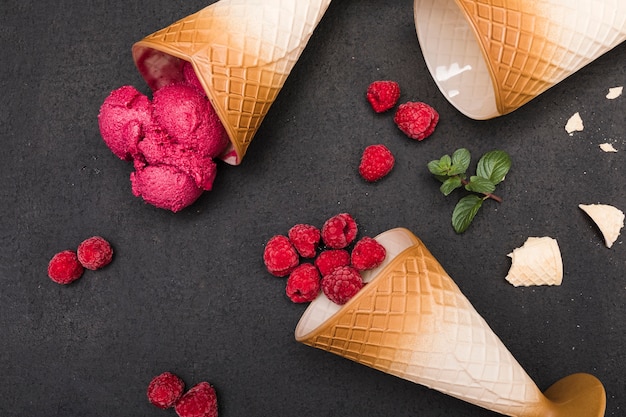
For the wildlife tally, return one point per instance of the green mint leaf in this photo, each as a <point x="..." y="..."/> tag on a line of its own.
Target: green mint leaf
<point x="435" y="167"/>
<point x="450" y="185"/>
<point x="480" y="185"/>
<point x="494" y="166"/>
<point x="465" y="211"/>
<point x="460" y="161"/>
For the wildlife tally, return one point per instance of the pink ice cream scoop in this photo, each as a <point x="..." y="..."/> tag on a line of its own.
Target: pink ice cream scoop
<point x="172" y="140"/>
<point x="189" y="74"/>
<point x="157" y="148"/>
<point x="121" y="119"/>
<point x="186" y="115"/>
<point x="164" y="186"/>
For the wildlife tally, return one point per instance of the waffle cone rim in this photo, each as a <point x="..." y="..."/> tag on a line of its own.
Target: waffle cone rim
<point x="369" y="287"/>
<point x="489" y="64"/>
<point x="138" y="49"/>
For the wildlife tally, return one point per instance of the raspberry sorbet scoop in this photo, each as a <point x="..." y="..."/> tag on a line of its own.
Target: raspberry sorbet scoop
<point x="164" y="186"/>
<point x="122" y="117"/>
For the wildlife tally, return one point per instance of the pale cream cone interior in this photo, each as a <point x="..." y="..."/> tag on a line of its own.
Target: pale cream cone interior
<point x="242" y="52"/>
<point x="489" y="57"/>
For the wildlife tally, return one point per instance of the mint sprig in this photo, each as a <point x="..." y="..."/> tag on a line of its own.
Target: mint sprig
<point x="491" y="170"/>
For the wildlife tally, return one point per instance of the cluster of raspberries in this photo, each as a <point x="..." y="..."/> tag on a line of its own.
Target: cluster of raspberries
<point x="167" y="391"/>
<point x="416" y="119"/>
<point x="335" y="270"/>
<point x="67" y="266"/>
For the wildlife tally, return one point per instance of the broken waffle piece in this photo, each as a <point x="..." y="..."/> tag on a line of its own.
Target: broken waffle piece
<point x="615" y="92"/>
<point x="574" y="124"/>
<point x="537" y="262"/>
<point x="607" y="147"/>
<point x="609" y="220"/>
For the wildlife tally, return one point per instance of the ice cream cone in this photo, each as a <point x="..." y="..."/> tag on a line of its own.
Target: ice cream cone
<point x="242" y="52"/>
<point x="412" y="321"/>
<point x="489" y="57"/>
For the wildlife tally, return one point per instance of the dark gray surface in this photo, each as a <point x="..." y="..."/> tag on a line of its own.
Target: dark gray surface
<point x="188" y="292"/>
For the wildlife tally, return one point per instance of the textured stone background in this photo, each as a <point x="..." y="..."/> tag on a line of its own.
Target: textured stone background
<point x="188" y="292"/>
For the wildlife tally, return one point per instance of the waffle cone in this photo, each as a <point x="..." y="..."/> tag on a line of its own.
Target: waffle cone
<point x="242" y="52"/>
<point x="412" y="321"/>
<point x="527" y="46"/>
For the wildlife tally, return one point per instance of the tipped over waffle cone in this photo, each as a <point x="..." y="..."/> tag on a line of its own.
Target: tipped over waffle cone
<point x="509" y="50"/>
<point x="242" y="52"/>
<point x="412" y="321"/>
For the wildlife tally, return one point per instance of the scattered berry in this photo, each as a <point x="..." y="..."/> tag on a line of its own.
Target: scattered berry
<point x="303" y="284"/>
<point x="64" y="267"/>
<point x="328" y="260"/>
<point x="305" y="238"/>
<point x="367" y="254"/>
<point x="165" y="389"/>
<point x="94" y="253"/>
<point x="199" y="401"/>
<point x="339" y="231"/>
<point x="342" y="284"/>
<point x="416" y="119"/>
<point x="376" y="162"/>
<point x="383" y="95"/>
<point x="280" y="256"/>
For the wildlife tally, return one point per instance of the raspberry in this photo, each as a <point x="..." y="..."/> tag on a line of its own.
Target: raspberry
<point x="417" y="120"/>
<point x="367" y="254"/>
<point x="303" y="283"/>
<point x="64" y="267"/>
<point x="330" y="259"/>
<point x="165" y="389"/>
<point x="280" y="256"/>
<point x="342" y="284"/>
<point x="376" y="162"/>
<point x="383" y="95"/>
<point x="339" y="231"/>
<point x="199" y="401"/>
<point x="94" y="253"/>
<point x="305" y="238"/>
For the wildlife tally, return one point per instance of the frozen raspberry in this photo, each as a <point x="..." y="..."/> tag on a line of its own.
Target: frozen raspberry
<point x="342" y="284"/>
<point x="416" y="119"/>
<point x="383" y="95"/>
<point x="330" y="259"/>
<point x="199" y="401"/>
<point x="367" y="254"/>
<point x="280" y="256"/>
<point x="376" y="162"/>
<point x="165" y="389"/>
<point x="64" y="267"/>
<point x="94" y="253"/>
<point x="303" y="283"/>
<point x="305" y="238"/>
<point x="339" y="231"/>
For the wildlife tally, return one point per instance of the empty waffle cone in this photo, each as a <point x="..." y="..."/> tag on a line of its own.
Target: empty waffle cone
<point x="412" y="321"/>
<point x="537" y="262"/>
<point x="242" y="52"/>
<point x="489" y="57"/>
